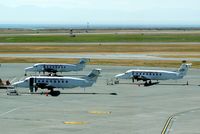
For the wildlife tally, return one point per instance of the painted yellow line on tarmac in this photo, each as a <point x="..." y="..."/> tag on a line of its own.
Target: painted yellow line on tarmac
<point x="99" y="112"/>
<point x="167" y="124"/>
<point x="75" y="123"/>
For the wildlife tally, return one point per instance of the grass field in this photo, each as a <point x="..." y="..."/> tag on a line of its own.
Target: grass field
<point x="103" y="38"/>
<point x="149" y="63"/>
<point x="172" y="48"/>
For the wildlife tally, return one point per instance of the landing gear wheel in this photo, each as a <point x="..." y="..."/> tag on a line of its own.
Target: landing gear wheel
<point x="54" y="93"/>
<point x="146" y="84"/>
<point x="133" y="79"/>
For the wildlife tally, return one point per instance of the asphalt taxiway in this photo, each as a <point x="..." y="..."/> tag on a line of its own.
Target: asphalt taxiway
<point x="135" y="110"/>
<point x="100" y="56"/>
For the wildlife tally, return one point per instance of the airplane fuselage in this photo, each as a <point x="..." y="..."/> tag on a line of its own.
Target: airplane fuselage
<point x="54" y="82"/>
<point x="156" y="74"/>
<point x="149" y="75"/>
<point x="48" y="67"/>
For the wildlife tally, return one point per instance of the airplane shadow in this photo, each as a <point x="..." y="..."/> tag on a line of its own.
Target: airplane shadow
<point x="43" y="93"/>
<point x="164" y="84"/>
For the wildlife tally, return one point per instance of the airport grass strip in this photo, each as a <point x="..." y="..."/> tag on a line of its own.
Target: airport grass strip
<point x="171" y="48"/>
<point x="118" y="62"/>
<point x="103" y="38"/>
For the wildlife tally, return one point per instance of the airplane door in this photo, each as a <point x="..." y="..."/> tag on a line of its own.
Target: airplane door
<point x="31" y="82"/>
<point x="132" y="74"/>
<point x="44" y="68"/>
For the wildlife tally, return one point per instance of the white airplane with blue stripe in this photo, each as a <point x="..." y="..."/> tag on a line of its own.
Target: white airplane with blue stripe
<point x="50" y="83"/>
<point x="149" y="75"/>
<point x="55" y="67"/>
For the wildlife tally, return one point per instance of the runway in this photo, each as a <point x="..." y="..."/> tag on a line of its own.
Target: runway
<point x="135" y="110"/>
<point x="99" y="56"/>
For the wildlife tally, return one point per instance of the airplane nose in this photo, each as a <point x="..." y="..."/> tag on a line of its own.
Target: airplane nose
<point x="120" y="76"/>
<point x="16" y="84"/>
<point x="29" y="69"/>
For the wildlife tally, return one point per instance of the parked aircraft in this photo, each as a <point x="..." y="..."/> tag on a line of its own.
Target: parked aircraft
<point x="54" y="67"/>
<point x="50" y="83"/>
<point x="149" y="75"/>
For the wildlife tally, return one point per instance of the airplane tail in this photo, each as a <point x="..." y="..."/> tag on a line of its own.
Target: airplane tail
<point x="93" y="75"/>
<point x="184" y="69"/>
<point x="81" y="64"/>
<point x="84" y="61"/>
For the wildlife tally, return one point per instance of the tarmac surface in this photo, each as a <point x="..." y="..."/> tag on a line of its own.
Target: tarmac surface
<point x="135" y="110"/>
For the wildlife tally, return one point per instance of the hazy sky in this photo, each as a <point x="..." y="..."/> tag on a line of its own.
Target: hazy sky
<point x="172" y="12"/>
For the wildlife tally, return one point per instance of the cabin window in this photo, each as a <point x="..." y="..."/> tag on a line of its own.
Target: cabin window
<point x="46" y="81"/>
<point x="66" y="81"/>
<point x="58" y="81"/>
<point x="54" y="81"/>
<point x="42" y="81"/>
<point x="62" y="81"/>
<point x="160" y="74"/>
<point x="50" y="81"/>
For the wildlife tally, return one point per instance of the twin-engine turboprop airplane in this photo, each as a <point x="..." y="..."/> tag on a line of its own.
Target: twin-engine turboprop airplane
<point x="149" y="75"/>
<point x="45" y="82"/>
<point x="54" y="68"/>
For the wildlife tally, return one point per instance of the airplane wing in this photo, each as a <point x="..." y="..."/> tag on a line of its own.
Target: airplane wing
<point x="50" y="70"/>
<point x="144" y="78"/>
<point x="44" y="85"/>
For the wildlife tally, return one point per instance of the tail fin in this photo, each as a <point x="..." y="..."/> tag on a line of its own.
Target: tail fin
<point x="81" y="65"/>
<point x="84" y="60"/>
<point x="184" y="69"/>
<point x="92" y="76"/>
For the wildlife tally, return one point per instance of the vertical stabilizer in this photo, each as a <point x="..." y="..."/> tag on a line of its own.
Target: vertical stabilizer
<point x="84" y="61"/>
<point x="184" y="69"/>
<point x="92" y="76"/>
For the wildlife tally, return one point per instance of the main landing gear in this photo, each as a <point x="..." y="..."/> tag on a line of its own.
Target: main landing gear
<point x="146" y="84"/>
<point x="54" y="93"/>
